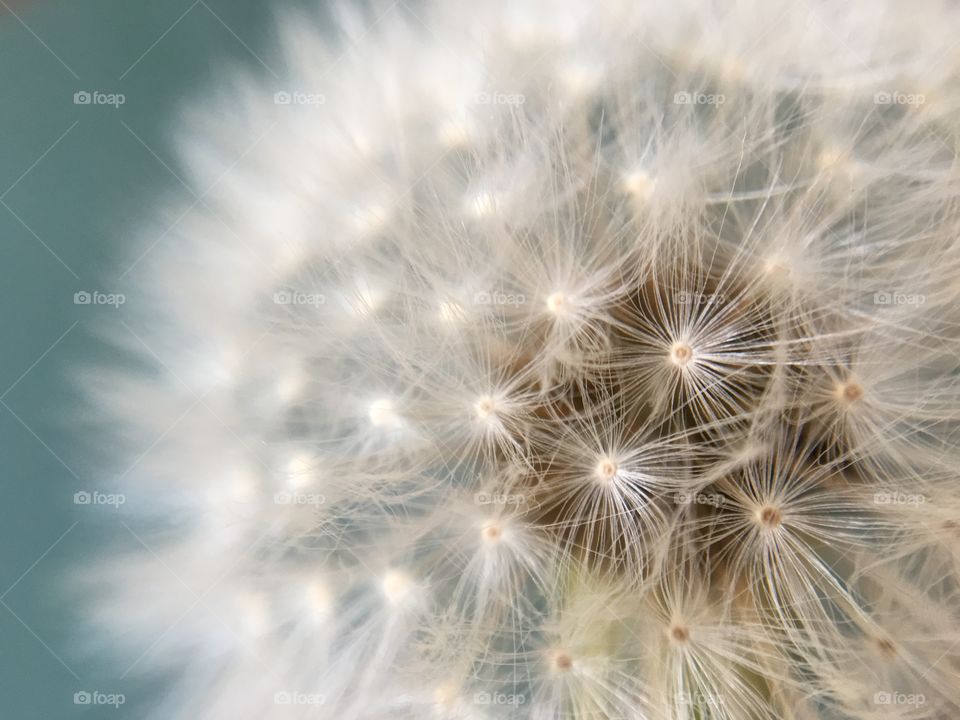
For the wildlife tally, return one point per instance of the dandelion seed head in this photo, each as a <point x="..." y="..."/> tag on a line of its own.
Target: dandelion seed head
<point x="557" y="303"/>
<point x="446" y="695"/>
<point x="560" y="661"/>
<point x="492" y="533"/>
<point x="563" y="356"/>
<point x="681" y="354"/>
<point x="482" y="204"/>
<point x="301" y="470"/>
<point x="849" y="392"/>
<point x="397" y="586"/>
<point x="776" y="267"/>
<point x="291" y="386"/>
<point x="638" y="184"/>
<point x="679" y="634"/>
<point x="319" y="598"/>
<point x="486" y="407"/>
<point x="606" y="470"/>
<point x="382" y="412"/>
<point x="769" y="517"/>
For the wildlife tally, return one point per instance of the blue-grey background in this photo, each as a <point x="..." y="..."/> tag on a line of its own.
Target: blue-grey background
<point x="73" y="181"/>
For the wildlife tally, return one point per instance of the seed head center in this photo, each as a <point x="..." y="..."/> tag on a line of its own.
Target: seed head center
<point x="769" y="516"/>
<point x="850" y="392"/>
<point x="561" y="661"/>
<point x="681" y="354"/>
<point x="491" y="533"/>
<point x="557" y="303"/>
<point x="606" y="469"/>
<point x="485" y="407"/>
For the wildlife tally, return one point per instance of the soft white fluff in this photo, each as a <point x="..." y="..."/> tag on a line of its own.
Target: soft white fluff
<point x="558" y="360"/>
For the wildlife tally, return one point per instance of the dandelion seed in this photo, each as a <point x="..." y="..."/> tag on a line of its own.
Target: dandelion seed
<point x="606" y="470"/>
<point x="561" y="661"/>
<point x="319" y="598"/>
<point x="769" y="517"/>
<point x="849" y="392"/>
<point x="382" y="412"/>
<point x="446" y="695"/>
<point x="492" y="533"/>
<point x="681" y="354"/>
<point x="483" y="204"/>
<point x="557" y="303"/>
<point x="301" y="471"/>
<point x="485" y="407"/>
<point x="290" y="387"/>
<point x="679" y="633"/>
<point x="638" y="184"/>
<point x="397" y="587"/>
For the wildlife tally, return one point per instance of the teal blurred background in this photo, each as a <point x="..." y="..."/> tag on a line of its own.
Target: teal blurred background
<point x="74" y="178"/>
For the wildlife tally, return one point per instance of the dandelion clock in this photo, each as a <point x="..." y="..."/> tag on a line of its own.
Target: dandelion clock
<point x="555" y="360"/>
